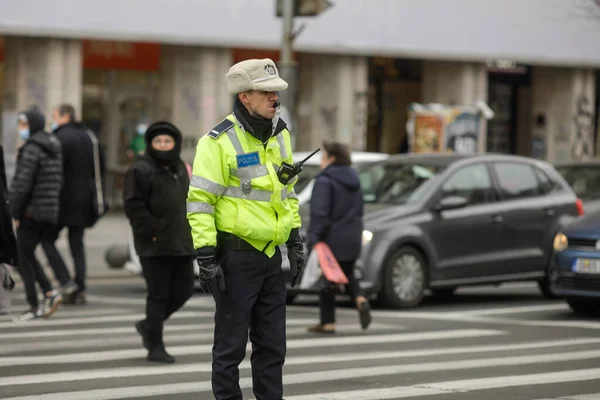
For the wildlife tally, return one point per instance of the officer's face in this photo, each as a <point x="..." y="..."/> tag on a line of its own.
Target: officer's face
<point x="260" y="103"/>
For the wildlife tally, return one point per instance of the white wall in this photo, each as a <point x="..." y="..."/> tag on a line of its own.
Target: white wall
<point x="552" y="32"/>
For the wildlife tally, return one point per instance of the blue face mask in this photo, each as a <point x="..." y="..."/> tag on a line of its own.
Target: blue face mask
<point x="53" y="126"/>
<point x="24" y="133"/>
<point x="141" y="129"/>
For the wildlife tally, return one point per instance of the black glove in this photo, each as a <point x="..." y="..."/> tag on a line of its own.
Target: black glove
<point x="211" y="275"/>
<point x="295" y="252"/>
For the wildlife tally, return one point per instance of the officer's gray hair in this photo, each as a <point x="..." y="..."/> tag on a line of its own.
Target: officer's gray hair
<point x="67" y="109"/>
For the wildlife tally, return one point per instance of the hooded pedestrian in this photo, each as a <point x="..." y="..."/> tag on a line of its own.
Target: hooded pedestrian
<point x="35" y="201"/>
<point x="336" y="213"/>
<point x="154" y="193"/>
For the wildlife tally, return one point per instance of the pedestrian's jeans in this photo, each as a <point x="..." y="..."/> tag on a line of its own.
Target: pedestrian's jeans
<point x="29" y="235"/>
<point x="77" y="252"/>
<point x="254" y="298"/>
<point x="327" y="299"/>
<point x="170" y="283"/>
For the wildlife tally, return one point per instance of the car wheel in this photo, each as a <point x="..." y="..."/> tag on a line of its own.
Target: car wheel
<point x="546" y="288"/>
<point x="405" y="278"/>
<point x="584" y="306"/>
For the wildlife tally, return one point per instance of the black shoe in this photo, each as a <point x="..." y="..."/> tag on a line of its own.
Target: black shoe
<point x="140" y="326"/>
<point x="77" y="298"/>
<point x="160" y="355"/>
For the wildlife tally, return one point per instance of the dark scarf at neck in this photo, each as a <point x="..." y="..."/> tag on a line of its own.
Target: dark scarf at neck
<point x="259" y="127"/>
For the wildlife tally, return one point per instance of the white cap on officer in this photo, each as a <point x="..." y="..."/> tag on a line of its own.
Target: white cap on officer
<point x="254" y="74"/>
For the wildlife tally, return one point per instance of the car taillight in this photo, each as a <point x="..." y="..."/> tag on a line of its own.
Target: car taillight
<point x="579" y="205"/>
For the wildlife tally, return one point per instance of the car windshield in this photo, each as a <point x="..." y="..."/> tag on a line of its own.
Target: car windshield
<point x="585" y="180"/>
<point x="396" y="183"/>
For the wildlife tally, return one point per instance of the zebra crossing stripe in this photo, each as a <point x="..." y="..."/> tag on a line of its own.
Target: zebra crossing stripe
<point x="124" y="354"/>
<point x="130" y="340"/>
<point x="424" y="389"/>
<point x="319" y="376"/>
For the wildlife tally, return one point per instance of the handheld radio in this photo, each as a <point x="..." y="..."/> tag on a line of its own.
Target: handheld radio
<point x="287" y="172"/>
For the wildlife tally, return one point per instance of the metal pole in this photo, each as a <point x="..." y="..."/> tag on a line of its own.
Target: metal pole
<point x="287" y="68"/>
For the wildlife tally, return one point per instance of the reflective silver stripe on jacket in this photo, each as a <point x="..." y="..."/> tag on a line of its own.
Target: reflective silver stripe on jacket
<point x="282" y="148"/>
<point x="200" y="207"/>
<point x="255" y="194"/>
<point x="235" y="141"/>
<point x="292" y="195"/>
<point x="207" y="185"/>
<point x="251" y="172"/>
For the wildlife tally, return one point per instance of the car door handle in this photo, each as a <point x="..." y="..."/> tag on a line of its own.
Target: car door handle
<point x="549" y="212"/>
<point x="496" y="219"/>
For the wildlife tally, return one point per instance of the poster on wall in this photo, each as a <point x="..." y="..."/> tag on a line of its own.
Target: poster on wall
<point x="440" y="128"/>
<point x="428" y="134"/>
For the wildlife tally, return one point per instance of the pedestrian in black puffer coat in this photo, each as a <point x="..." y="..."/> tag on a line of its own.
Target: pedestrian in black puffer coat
<point x="35" y="198"/>
<point x="336" y="213"/>
<point x="155" y="193"/>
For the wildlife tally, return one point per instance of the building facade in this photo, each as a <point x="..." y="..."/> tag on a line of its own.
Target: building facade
<point x="361" y="64"/>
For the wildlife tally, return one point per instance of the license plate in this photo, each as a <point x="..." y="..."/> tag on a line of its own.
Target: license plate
<point x="586" y="266"/>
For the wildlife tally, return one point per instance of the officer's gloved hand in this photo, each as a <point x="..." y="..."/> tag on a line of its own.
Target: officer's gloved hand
<point x="295" y="252"/>
<point x="211" y="275"/>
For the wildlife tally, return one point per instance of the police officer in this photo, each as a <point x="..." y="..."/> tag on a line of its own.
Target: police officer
<point x="240" y="210"/>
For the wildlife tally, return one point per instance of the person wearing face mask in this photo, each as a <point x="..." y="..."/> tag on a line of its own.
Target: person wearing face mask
<point x="35" y="199"/>
<point x="137" y="146"/>
<point x="241" y="210"/>
<point x="154" y="196"/>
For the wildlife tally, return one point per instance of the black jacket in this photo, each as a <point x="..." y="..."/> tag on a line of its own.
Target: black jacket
<point x="8" y="244"/>
<point x="155" y="198"/>
<point x="77" y="202"/>
<point x="336" y="212"/>
<point x="36" y="186"/>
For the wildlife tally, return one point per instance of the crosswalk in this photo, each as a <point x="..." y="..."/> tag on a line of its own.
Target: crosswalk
<point x="94" y="353"/>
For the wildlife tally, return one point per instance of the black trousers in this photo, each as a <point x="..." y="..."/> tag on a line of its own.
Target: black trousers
<point x="170" y="283"/>
<point x="327" y="298"/>
<point x="77" y="252"/>
<point x="29" y="235"/>
<point x="253" y="299"/>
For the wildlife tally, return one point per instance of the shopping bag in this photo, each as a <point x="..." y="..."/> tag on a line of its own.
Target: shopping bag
<point x="329" y="265"/>
<point x="312" y="273"/>
<point x="6" y="285"/>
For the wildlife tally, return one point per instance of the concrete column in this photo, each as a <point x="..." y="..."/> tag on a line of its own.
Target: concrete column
<point x="193" y="91"/>
<point x="332" y="100"/>
<point x="565" y="98"/>
<point x="456" y="84"/>
<point x="38" y="72"/>
<point x="43" y="73"/>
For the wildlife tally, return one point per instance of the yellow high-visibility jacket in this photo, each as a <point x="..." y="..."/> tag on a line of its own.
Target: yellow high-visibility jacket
<point x="235" y="189"/>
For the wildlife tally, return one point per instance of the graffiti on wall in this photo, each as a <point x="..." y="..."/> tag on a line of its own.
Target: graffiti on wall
<point x="329" y="115"/>
<point x="582" y="143"/>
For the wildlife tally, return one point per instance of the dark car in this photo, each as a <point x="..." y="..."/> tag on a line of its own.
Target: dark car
<point x="584" y="179"/>
<point x="439" y="221"/>
<point x="575" y="273"/>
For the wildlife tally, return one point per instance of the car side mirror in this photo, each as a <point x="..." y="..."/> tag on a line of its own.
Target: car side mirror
<point x="451" y="203"/>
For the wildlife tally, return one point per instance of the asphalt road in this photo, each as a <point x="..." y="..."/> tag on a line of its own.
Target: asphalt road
<point x="489" y="343"/>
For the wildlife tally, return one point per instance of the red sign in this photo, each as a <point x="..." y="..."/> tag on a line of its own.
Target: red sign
<point x="120" y="55"/>
<point x="245" y="54"/>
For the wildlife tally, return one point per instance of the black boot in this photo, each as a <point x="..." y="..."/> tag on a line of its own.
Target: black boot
<point x="142" y="329"/>
<point x="157" y="352"/>
<point x="160" y="355"/>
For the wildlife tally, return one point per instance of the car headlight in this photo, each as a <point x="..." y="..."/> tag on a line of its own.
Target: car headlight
<point x="367" y="236"/>
<point x="560" y="242"/>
